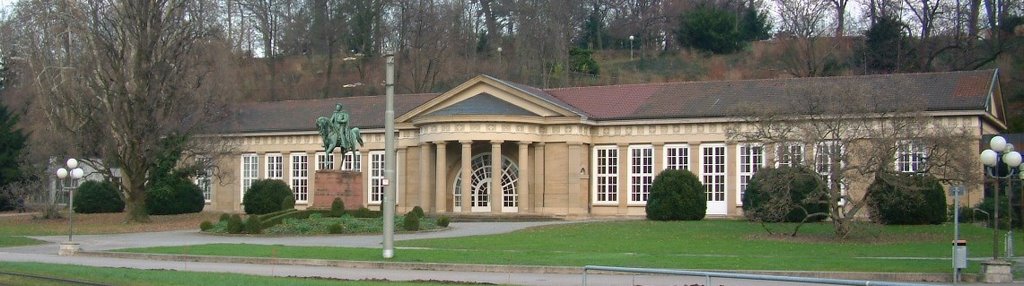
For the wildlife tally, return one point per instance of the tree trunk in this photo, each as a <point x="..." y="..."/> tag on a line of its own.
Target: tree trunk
<point x="135" y="202"/>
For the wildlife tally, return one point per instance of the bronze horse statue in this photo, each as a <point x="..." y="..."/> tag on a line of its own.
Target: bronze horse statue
<point x="335" y="133"/>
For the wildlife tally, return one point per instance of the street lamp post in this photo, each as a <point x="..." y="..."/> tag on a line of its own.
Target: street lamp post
<point x="991" y="158"/>
<point x="631" y="47"/>
<point x="390" y="158"/>
<point x="76" y="173"/>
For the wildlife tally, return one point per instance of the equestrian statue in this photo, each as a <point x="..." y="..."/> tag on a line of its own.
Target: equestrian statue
<point x="336" y="133"/>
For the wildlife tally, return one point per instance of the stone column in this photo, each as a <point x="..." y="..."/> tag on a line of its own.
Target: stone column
<point x="622" y="189"/>
<point x="538" y="175"/>
<point x="496" y="193"/>
<point x="523" y="185"/>
<point x="424" y="171"/>
<point x="467" y="189"/>
<point x="310" y="176"/>
<point x="732" y="182"/>
<point x="400" y="182"/>
<point x="440" y="179"/>
<point x="659" y="158"/>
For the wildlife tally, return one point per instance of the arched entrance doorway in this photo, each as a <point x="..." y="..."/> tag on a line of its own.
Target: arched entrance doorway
<point x="482" y="185"/>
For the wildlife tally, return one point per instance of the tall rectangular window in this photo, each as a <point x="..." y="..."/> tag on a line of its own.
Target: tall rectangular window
<point x="250" y="170"/>
<point x="824" y="155"/>
<point x="751" y="160"/>
<point x="300" y="177"/>
<point x="275" y="166"/>
<point x="606" y="174"/>
<point x="641" y="172"/>
<point x="911" y="157"/>
<point x="713" y="171"/>
<point x="324" y="161"/>
<point x="353" y="161"/>
<point x="677" y="157"/>
<point x="376" y="178"/>
<point x="204" y="178"/>
<point x="790" y="154"/>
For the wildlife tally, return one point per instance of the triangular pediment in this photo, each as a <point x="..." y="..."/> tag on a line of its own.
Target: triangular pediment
<point x="484" y="95"/>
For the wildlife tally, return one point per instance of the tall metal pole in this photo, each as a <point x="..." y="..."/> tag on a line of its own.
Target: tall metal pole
<point x="389" y="158"/>
<point x="995" y="220"/>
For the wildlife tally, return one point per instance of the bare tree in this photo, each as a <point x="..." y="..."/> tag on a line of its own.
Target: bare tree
<point x="807" y="52"/>
<point x="119" y="76"/>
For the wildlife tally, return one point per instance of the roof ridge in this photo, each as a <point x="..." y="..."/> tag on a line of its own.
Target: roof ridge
<point x="358" y="97"/>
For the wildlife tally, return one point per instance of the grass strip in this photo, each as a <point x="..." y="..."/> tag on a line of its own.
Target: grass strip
<point x="9" y="241"/>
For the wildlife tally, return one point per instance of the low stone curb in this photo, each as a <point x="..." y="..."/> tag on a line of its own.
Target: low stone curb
<point x="874" y="276"/>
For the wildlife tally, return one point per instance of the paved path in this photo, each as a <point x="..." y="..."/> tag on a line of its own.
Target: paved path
<point x="46" y="253"/>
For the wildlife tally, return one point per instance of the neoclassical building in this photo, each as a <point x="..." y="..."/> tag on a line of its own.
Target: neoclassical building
<point x="490" y="146"/>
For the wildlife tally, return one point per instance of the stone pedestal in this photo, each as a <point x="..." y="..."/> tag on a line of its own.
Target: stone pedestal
<point x="996" y="271"/>
<point x="68" y="248"/>
<point x="330" y="184"/>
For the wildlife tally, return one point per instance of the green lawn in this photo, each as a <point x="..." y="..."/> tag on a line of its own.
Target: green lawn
<point x="125" y="276"/>
<point x="7" y="241"/>
<point x="715" y="244"/>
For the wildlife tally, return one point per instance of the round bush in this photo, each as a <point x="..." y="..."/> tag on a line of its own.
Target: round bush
<point x="335" y="228"/>
<point x="411" y="223"/>
<point x="253" y="225"/>
<point x="98" y="197"/>
<point x="288" y="203"/>
<point x="676" y="195"/>
<point x="417" y="211"/>
<point x="337" y="208"/>
<point x="174" y="195"/>
<point x="443" y="221"/>
<point x="235" y="224"/>
<point x="205" y="225"/>
<point x="788" y="194"/>
<point x="265" y="196"/>
<point x="224" y="217"/>
<point x="906" y="198"/>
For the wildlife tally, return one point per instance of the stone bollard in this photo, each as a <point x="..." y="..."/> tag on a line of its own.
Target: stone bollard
<point x="68" y="248"/>
<point x="996" y="271"/>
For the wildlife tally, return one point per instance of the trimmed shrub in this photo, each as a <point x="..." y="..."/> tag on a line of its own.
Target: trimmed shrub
<point x="174" y="195"/>
<point x="337" y="208"/>
<point x="410" y="222"/>
<point x="224" y="217"/>
<point x="1005" y="215"/>
<point x="417" y="211"/>
<point x="365" y="213"/>
<point x="785" y="194"/>
<point x="288" y="203"/>
<point x="253" y="225"/>
<point x="676" y="195"/>
<point x="98" y="197"/>
<point x="235" y="224"/>
<point x="443" y="221"/>
<point x="274" y="218"/>
<point x="335" y="228"/>
<point x="265" y="196"/>
<point x="906" y="198"/>
<point x="205" y="225"/>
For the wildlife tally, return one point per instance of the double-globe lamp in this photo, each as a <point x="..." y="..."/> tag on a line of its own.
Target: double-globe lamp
<point x="76" y="173"/>
<point x="991" y="158"/>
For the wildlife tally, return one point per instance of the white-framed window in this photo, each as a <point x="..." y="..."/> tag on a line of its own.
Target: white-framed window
<point x="353" y="161"/>
<point x="375" y="181"/>
<point x="790" y="154"/>
<point x="250" y="170"/>
<point x="751" y="160"/>
<point x="300" y="177"/>
<point x="204" y="179"/>
<point x="606" y="174"/>
<point x="911" y="157"/>
<point x="324" y="161"/>
<point x="641" y="172"/>
<point x="275" y="166"/>
<point x="713" y="171"/>
<point x="823" y="156"/>
<point x="677" y="156"/>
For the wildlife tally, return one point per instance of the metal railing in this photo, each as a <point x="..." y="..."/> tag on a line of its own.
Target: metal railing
<point x="708" y="275"/>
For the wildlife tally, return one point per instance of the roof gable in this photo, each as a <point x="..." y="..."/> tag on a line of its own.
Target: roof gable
<point x="483" y="104"/>
<point x="485" y="95"/>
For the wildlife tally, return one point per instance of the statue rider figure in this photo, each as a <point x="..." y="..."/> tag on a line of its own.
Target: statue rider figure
<point x="335" y="132"/>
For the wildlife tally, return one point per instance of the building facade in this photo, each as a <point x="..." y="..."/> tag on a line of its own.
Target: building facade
<point x="490" y="146"/>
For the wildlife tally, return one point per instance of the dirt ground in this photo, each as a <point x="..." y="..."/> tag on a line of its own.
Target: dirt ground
<point x="12" y="223"/>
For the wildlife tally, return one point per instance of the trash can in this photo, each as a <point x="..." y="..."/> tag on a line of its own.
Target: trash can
<point x="960" y="254"/>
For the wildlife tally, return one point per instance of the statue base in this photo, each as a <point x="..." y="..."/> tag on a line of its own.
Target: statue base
<point x="68" y="248"/>
<point x="330" y="184"/>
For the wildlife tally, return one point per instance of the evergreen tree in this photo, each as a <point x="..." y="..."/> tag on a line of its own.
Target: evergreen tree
<point x="12" y="141"/>
<point x="887" y="47"/>
<point x="755" y="25"/>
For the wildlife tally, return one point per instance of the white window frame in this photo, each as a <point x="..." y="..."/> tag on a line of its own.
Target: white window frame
<point x="826" y="175"/>
<point x="249" y="175"/>
<point x="786" y="157"/>
<point x="353" y="161"/>
<point x="640" y="176"/>
<point x="714" y="175"/>
<point x="911" y="157"/>
<point x="684" y="158"/>
<point x="275" y="166"/>
<point x="747" y="165"/>
<point x="203" y="180"/>
<point x="608" y="172"/>
<point x="299" y="180"/>
<point x="374" y="182"/>
<point x="324" y="161"/>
